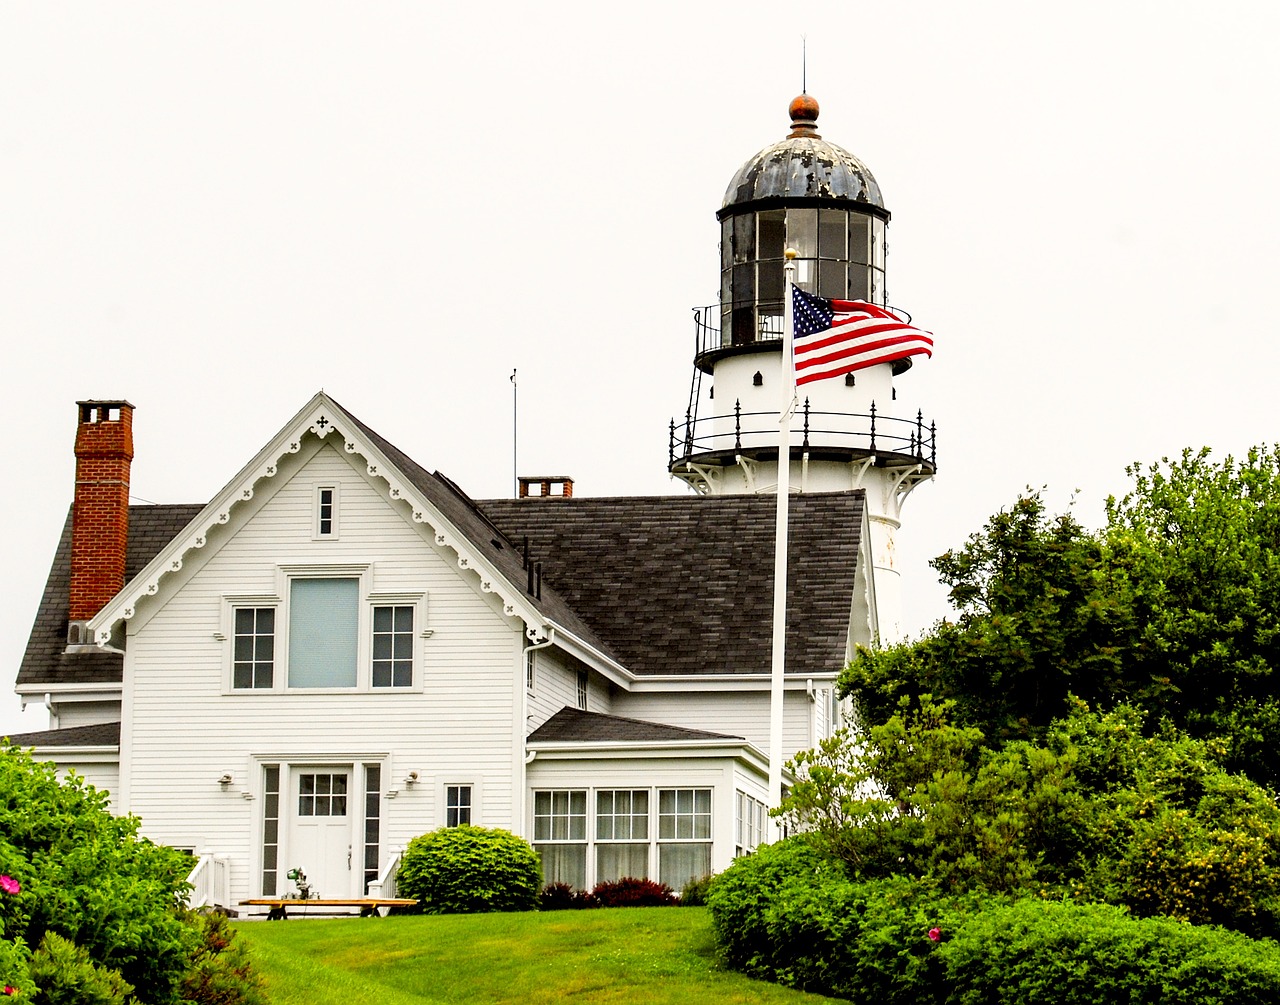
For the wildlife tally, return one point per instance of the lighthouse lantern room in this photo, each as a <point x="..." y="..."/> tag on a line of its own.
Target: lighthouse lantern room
<point x="809" y="196"/>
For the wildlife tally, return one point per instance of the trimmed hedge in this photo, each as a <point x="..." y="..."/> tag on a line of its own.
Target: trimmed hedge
<point x="1055" y="953"/>
<point x="470" y="870"/>
<point x="790" y="915"/>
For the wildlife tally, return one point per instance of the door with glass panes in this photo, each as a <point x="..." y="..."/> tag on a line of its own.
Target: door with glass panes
<point x="321" y="829"/>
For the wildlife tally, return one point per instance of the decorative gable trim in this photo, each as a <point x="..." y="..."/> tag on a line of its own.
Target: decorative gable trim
<point x="323" y="418"/>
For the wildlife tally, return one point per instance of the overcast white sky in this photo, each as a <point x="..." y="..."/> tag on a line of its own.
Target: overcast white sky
<point x="214" y="210"/>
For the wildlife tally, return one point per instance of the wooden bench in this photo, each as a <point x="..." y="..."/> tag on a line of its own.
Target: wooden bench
<point x="368" y="905"/>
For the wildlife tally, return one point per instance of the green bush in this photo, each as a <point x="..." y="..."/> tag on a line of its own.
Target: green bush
<point x="470" y="870"/>
<point x="632" y="892"/>
<point x="87" y="876"/>
<point x="64" y="974"/>
<point x="15" y="970"/>
<point x="1094" y="954"/>
<point x="694" y="893"/>
<point x="219" y="971"/>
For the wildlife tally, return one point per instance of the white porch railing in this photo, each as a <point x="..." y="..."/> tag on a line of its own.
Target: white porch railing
<point x="210" y="881"/>
<point x="385" y="884"/>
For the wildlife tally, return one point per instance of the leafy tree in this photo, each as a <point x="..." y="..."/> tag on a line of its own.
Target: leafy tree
<point x="1098" y="812"/>
<point x="1173" y="606"/>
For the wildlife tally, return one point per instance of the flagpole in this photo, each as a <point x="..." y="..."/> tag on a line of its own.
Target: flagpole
<point x="778" y="666"/>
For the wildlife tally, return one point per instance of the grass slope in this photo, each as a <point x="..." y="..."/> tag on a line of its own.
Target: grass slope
<point x="652" y="955"/>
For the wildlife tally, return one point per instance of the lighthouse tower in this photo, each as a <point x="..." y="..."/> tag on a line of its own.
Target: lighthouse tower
<point x="812" y="196"/>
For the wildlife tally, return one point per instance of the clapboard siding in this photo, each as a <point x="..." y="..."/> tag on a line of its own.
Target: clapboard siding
<point x="556" y="685"/>
<point x="734" y="713"/>
<point x="184" y="730"/>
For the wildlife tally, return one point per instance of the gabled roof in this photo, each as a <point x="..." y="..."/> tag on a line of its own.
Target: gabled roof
<point x="668" y="586"/>
<point x="683" y="585"/>
<point x="575" y="725"/>
<point x="433" y="501"/>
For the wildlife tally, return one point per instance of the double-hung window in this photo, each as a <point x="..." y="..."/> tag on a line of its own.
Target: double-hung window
<point x="684" y="835"/>
<point x="560" y="836"/>
<point x="622" y="834"/>
<point x="393" y="645"/>
<point x="457" y="805"/>
<point x="254" y="647"/>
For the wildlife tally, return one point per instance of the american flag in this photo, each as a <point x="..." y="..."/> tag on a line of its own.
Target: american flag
<point x="833" y="337"/>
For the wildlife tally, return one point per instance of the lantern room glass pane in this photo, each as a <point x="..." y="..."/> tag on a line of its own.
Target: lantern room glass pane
<point x="831" y="279"/>
<point x="877" y="243"/>
<point x="859" y="282"/>
<point x="832" y="231"/>
<point x="771" y="234"/>
<point x="726" y="243"/>
<point x="744" y="283"/>
<point x="744" y="237"/>
<point x="772" y="281"/>
<point x="802" y="232"/>
<point x="859" y="239"/>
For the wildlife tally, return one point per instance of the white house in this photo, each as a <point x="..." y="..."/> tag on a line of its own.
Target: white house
<point x="342" y="650"/>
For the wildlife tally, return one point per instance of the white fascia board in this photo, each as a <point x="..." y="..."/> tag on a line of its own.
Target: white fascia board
<point x="725" y="682"/>
<point x="97" y="754"/>
<point x="73" y="692"/>
<point x="607" y="666"/>
<point x="322" y="417"/>
<point x="561" y="750"/>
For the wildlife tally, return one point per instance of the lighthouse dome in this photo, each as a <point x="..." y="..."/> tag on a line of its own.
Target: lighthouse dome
<point x="803" y="166"/>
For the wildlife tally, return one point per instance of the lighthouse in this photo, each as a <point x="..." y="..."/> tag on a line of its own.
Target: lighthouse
<point x="804" y="195"/>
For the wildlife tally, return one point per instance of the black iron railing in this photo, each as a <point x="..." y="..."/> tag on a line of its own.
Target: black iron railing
<point x="856" y="432"/>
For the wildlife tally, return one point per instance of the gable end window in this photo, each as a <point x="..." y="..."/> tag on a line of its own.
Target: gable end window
<point x="326" y="512"/>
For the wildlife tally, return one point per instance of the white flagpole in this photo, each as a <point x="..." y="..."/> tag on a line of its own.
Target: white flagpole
<point x="778" y="666"/>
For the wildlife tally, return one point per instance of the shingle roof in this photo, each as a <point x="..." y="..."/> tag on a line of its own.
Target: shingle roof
<point x="684" y="584"/>
<point x="105" y="734"/>
<point x="45" y="660"/>
<point x="471" y="521"/>
<point x="576" y="725"/>
<point x="665" y="585"/>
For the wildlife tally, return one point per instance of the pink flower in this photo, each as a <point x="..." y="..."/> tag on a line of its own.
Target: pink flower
<point x="10" y="885"/>
<point x="10" y="990"/>
<point x="935" y="934"/>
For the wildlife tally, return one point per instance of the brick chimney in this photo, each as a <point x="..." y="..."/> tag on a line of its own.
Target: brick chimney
<point x="100" y="516"/>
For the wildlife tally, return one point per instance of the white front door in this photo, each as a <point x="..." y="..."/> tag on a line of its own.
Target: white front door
<point x="321" y="831"/>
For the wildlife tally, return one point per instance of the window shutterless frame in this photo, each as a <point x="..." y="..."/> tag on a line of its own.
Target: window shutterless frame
<point x="324" y="631"/>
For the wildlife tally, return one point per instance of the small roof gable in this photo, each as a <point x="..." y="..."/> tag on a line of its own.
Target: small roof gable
<point x="575" y="725"/>
<point x="683" y="585"/>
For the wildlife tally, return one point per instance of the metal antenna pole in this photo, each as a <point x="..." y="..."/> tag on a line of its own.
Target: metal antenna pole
<point x="515" y="429"/>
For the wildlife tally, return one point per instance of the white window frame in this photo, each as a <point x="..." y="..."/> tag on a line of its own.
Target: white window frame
<point x="367" y="600"/>
<point x="471" y="803"/>
<point x="316" y="533"/>
<point x="653" y="841"/>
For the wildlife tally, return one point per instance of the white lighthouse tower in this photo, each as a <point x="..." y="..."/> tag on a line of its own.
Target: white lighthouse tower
<point x="812" y="196"/>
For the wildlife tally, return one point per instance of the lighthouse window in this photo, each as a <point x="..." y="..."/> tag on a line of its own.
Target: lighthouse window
<point x="726" y="243"/>
<point x="831" y="279"/>
<point x="744" y="238"/>
<point x="772" y="234"/>
<point x="859" y="239"/>
<point x="802" y="231"/>
<point x="859" y="283"/>
<point x="831" y="233"/>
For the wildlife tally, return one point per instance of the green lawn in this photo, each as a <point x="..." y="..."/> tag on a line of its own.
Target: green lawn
<point x="650" y="955"/>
